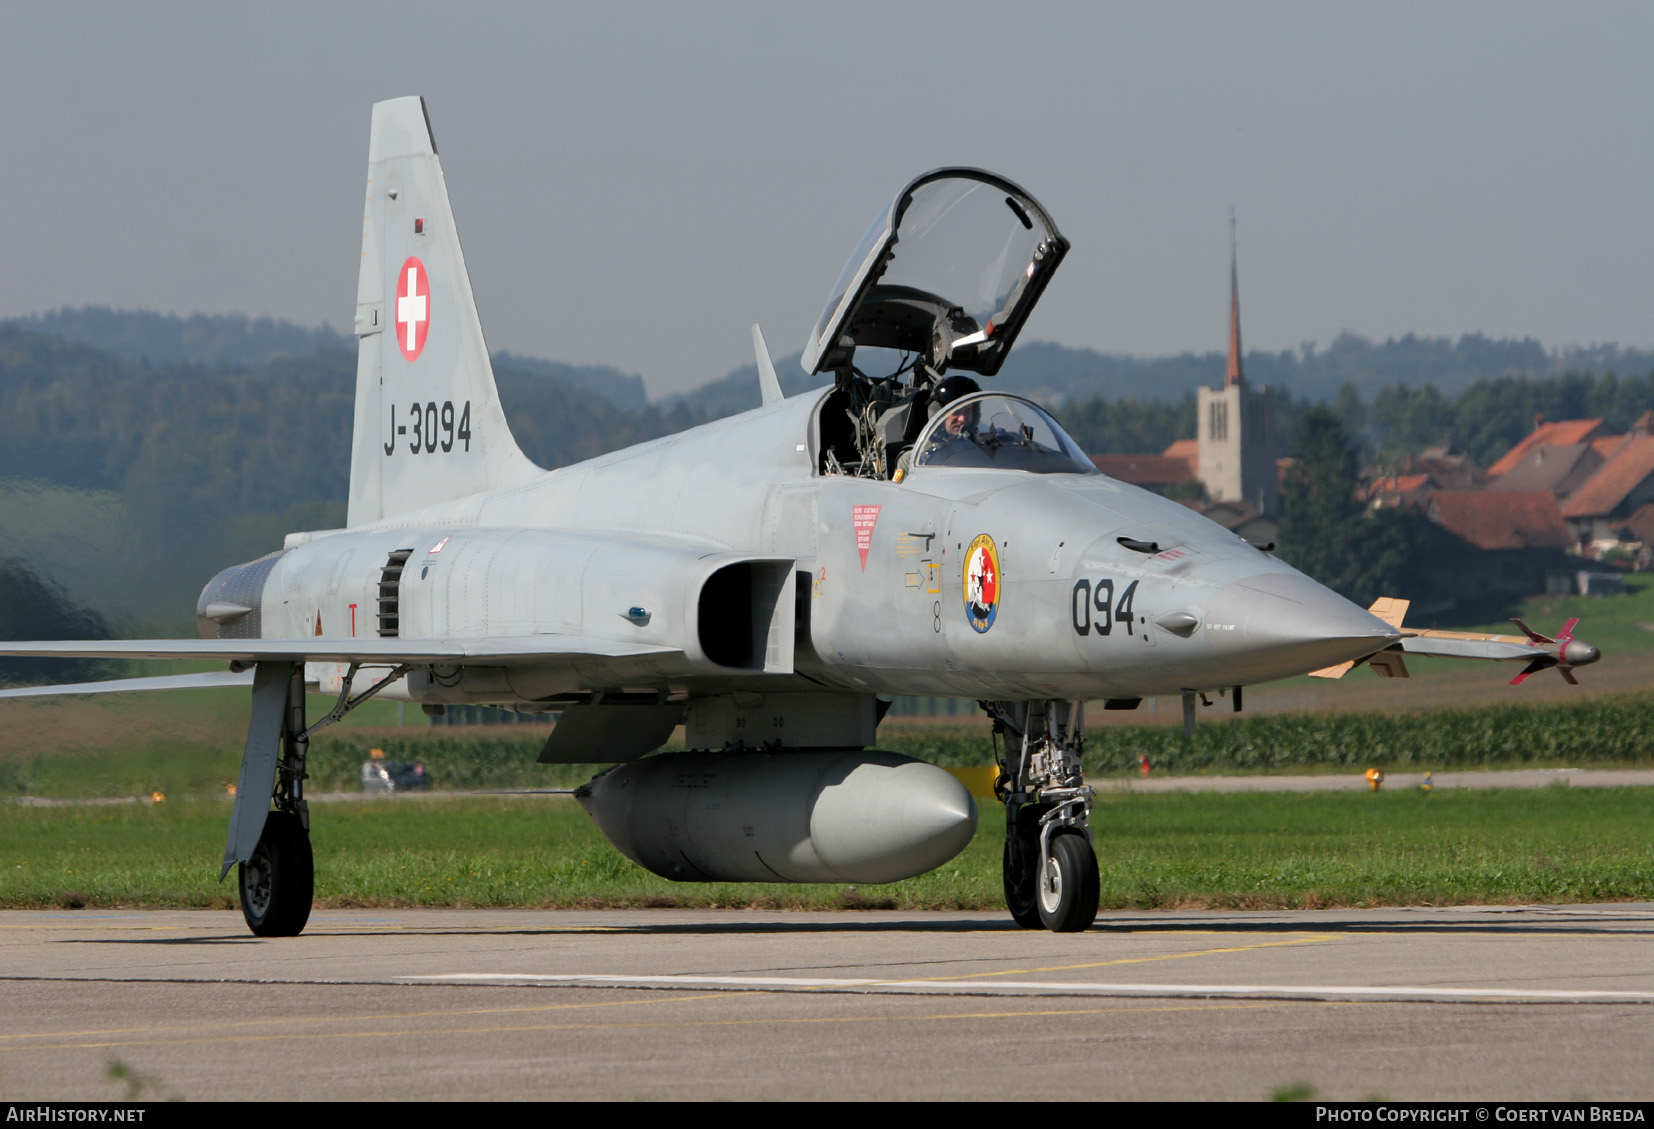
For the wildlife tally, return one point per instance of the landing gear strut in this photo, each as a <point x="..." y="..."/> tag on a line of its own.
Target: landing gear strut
<point x="1049" y="867"/>
<point x="278" y="880"/>
<point x="277" y="875"/>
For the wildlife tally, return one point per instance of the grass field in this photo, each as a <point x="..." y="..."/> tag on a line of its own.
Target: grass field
<point x="1171" y="851"/>
<point x="1617" y="624"/>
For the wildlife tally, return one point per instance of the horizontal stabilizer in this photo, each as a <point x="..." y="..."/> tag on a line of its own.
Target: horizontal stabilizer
<point x="210" y="680"/>
<point x="504" y="650"/>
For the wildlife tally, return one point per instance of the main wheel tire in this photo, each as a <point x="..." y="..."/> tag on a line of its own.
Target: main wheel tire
<point x="1019" y="871"/>
<point x="279" y="881"/>
<point x="1068" y="887"/>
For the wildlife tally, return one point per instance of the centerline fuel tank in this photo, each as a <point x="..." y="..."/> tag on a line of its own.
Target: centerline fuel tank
<point x="787" y="816"/>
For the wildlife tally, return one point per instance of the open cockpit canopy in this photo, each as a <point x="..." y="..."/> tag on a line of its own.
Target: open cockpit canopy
<point x="947" y="273"/>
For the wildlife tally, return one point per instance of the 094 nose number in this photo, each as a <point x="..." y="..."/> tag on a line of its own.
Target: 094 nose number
<point x="1096" y="610"/>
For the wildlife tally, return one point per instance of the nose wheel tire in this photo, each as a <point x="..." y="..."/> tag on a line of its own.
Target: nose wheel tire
<point x="1067" y="885"/>
<point x="278" y="881"/>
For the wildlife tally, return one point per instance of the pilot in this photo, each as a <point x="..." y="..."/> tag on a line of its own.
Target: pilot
<point x="957" y="421"/>
<point x="957" y="424"/>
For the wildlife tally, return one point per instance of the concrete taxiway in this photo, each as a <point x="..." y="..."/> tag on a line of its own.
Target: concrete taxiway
<point x="1514" y="1003"/>
<point x="1395" y="781"/>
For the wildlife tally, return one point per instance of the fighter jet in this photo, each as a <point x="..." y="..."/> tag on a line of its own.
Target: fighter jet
<point x="766" y="581"/>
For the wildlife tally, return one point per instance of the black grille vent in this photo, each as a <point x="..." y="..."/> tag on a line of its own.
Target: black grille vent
<point x="390" y="592"/>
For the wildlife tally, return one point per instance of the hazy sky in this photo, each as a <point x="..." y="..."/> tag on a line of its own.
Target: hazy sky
<point x="636" y="183"/>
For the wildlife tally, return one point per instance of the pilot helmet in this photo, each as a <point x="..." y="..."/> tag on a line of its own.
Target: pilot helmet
<point x="950" y="389"/>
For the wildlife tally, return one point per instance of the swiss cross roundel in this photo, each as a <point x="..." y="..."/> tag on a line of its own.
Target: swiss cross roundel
<point x="413" y="307"/>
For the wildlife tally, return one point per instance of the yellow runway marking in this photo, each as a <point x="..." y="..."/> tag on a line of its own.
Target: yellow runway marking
<point x="649" y="1025"/>
<point x="1316" y="939"/>
<point x="325" y="930"/>
<point x="379" y="1018"/>
<point x="80" y="927"/>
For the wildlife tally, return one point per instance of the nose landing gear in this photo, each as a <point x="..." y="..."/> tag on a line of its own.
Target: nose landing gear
<point x="1068" y="884"/>
<point x="1049" y="865"/>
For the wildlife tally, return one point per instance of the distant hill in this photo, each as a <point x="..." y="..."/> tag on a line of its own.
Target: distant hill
<point x="233" y="339"/>
<point x="738" y="392"/>
<point x="110" y="467"/>
<point x="1057" y="374"/>
<point x="1038" y="369"/>
<point x="622" y="389"/>
<point x="207" y="339"/>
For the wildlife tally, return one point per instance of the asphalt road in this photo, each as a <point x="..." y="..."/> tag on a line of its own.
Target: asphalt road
<point x="1507" y="1003"/>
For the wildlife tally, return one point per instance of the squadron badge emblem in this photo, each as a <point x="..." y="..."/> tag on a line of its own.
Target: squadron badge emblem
<point x="982" y="582"/>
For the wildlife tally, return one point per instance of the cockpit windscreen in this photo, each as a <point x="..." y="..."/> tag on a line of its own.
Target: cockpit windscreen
<point x="1001" y="433"/>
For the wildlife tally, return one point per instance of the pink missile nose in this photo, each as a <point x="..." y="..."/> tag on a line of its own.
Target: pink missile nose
<point x="1579" y="653"/>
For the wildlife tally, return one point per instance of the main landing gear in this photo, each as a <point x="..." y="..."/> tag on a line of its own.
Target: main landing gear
<point x="1050" y="868"/>
<point x="277" y="875"/>
<point x="278" y="882"/>
<point x="278" y="879"/>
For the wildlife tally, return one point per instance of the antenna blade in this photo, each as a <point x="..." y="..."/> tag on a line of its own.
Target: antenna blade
<point x="768" y="384"/>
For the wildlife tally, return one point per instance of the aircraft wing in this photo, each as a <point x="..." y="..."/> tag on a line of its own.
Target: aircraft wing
<point x="210" y="680"/>
<point x="503" y="650"/>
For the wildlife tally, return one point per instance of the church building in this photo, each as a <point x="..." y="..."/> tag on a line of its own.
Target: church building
<point x="1237" y="426"/>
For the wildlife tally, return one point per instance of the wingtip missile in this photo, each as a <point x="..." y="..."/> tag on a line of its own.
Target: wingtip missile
<point x="1569" y="652"/>
<point x="1537" y="650"/>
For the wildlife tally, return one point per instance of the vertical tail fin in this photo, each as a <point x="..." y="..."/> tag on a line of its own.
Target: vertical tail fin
<point x="429" y="426"/>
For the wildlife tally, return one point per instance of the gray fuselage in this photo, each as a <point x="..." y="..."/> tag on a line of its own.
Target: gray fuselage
<point x="1077" y="612"/>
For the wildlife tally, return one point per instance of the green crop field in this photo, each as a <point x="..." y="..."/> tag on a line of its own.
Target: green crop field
<point x="1285" y="850"/>
<point x="133" y="749"/>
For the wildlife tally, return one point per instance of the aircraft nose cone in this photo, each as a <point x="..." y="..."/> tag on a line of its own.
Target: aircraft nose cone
<point x="1579" y="653"/>
<point x="1279" y="624"/>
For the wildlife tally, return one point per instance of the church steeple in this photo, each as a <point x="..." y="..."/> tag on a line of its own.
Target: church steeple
<point x="1236" y="430"/>
<point x="1234" y="377"/>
